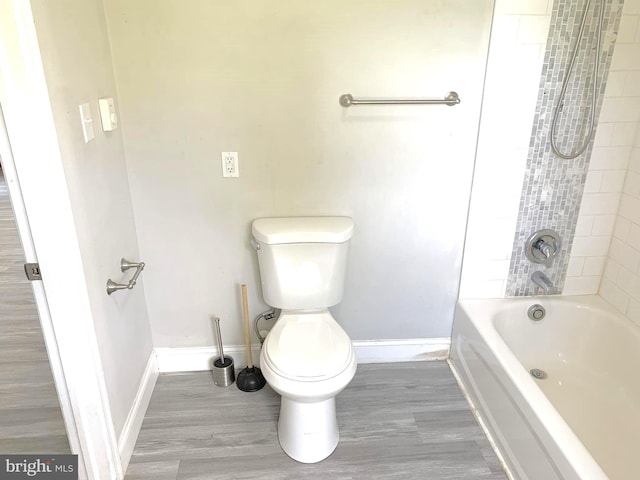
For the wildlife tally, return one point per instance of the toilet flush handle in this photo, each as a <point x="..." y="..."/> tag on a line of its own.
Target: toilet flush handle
<point x="254" y="244"/>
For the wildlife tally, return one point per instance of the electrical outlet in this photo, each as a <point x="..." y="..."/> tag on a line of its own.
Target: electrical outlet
<point x="230" y="167"/>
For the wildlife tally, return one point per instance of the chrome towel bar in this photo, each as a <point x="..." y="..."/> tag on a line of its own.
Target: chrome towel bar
<point x="451" y="99"/>
<point x="124" y="266"/>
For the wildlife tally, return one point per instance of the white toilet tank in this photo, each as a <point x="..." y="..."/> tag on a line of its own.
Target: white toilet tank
<point x="302" y="260"/>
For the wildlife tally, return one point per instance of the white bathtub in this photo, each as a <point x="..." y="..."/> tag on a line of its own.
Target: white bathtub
<point x="583" y="420"/>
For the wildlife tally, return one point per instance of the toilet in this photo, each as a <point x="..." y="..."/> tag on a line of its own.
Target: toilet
<point x="307" y="357"/>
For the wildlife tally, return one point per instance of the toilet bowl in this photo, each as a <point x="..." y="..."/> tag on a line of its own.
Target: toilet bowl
<point x="308" y="376"/>
<point x="307" y="357"/>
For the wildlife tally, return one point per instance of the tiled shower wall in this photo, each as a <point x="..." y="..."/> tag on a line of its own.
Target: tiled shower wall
<point x="516" y="55"/>
<point x="553" y="187"/>
<point x="621" y="282"/>
<point x="613" y="150"/>
<point x="516" y="52"/>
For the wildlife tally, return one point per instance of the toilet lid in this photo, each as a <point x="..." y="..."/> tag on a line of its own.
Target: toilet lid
<point x="308" y="345"/>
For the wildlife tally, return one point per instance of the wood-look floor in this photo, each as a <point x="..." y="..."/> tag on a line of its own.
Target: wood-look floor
<point x="30" y="416"/>
<point x="397" y="421"/>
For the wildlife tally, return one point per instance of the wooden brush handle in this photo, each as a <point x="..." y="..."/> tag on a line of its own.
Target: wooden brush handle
<point x="247" y="331"/>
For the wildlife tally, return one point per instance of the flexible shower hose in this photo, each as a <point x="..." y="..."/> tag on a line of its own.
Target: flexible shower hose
<point x="594" y="93"/>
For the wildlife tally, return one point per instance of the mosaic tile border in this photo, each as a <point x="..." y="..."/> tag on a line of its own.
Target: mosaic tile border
<point x="552" y="187"/>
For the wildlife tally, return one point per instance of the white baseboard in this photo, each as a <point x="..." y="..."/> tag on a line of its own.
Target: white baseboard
<point x="132" y="425"/>
<point x="191" y="359"/>
<point x="405" y="350"/>
<point x="197" y="359"/>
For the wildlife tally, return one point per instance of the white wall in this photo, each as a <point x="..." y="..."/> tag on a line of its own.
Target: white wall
<point x="35" y="154"/>
<point x="77" y="63"/>
<point x="516" y="53"/>
<point x="198" y="78"/>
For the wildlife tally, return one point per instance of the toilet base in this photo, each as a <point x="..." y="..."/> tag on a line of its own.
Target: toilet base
<point x="308" y="432"/>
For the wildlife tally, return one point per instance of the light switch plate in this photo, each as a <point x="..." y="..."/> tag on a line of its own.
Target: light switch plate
<point x="87" y="123"/>
<point x="108" y="115"/>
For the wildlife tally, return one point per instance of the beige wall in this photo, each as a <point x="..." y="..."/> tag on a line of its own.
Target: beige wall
<point x="263" y="79"/>
<point x="78" y="68"/>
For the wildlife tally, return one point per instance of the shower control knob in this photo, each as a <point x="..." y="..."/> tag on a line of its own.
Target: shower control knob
<point x="543" y="246"/>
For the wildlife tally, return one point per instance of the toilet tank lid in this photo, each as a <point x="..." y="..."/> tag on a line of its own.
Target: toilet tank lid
<point x="302" y="230"/>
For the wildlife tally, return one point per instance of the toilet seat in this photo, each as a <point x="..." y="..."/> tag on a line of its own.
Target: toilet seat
<point x="308" y="347"/>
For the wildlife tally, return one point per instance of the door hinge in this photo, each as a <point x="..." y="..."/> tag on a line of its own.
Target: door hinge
<point x="33" y="271"/>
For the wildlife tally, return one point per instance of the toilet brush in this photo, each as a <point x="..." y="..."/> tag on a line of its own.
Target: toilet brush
<point x="250" y="379"/>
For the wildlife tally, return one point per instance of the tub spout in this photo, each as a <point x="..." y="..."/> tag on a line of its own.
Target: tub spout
<point x="542" y="281"/>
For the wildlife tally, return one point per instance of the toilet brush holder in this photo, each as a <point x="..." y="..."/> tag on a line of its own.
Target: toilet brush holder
<point x="223" y="372"/>
<point x="222" y="368"/>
